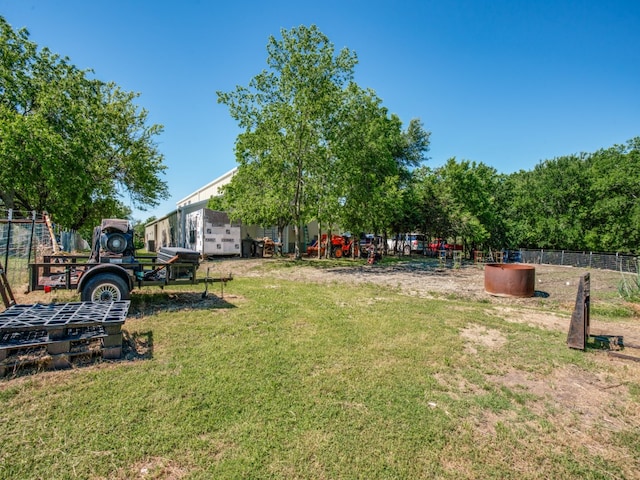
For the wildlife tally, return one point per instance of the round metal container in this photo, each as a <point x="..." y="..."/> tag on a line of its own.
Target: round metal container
<point x="509" y="279"/>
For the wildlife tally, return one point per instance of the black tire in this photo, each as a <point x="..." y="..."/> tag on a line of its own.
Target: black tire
<point x="105" y="287"/>
<point x="407" y="250"/>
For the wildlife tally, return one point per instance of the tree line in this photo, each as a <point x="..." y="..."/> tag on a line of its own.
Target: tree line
<point x="582" y="202"/>
<point x="316" y="146"/>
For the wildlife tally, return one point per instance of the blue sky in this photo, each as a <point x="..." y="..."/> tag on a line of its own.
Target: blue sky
<point x="508" y="83"/>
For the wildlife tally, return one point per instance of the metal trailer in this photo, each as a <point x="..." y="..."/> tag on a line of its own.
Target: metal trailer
<point x="110" y="281"/>
<point x="113" y="269"/>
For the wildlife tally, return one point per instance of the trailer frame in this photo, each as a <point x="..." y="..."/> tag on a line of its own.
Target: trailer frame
<point x="68" y="272"/>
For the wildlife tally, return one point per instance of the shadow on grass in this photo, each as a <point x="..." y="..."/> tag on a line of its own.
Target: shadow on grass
<point x="143" y="304"/>
<point x="85" y="353"/>
<point x="420" y="266"/>
<point x="137" y="345"/>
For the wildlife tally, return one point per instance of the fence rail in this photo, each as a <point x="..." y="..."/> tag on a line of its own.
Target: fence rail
<point x="607" y="261"/>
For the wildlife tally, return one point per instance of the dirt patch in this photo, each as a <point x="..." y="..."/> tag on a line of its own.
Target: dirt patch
<point x="546" y="320"/>
<point x="153" y="468"/>
<point x="560" y="321"/>
<point x="577" y="402"/>
<point x="424" y="277"/>
<point x="479" y="335"/>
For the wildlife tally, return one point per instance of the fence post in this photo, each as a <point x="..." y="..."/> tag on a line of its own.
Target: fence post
<point x="541" y="255"/>
<point x="590" y="257"/>
<point x="562" y="258"/>
<point x="6" y="252"/>
<point x="33" y="230"/>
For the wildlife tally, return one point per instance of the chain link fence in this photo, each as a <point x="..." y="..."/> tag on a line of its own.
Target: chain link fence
<point x="24" y="238"/>
<point x="608" y="261"/>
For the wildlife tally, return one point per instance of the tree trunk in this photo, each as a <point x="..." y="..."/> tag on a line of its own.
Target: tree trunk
<point x="296" y="229"/>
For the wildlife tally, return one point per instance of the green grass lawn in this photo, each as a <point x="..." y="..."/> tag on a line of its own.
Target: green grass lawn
<point x="291" y="379"/>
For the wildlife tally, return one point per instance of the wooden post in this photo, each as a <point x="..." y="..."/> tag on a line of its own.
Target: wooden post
<point x="579" y="326"/>
<point x="54" y="242"/>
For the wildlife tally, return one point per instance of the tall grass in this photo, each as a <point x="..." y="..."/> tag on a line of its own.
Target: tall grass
<point x="629" y="286"/>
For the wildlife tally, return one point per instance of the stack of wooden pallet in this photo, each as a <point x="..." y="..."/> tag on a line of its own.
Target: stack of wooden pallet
<point x="53" y="335"/>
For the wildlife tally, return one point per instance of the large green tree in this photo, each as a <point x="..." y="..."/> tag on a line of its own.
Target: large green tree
<point x="320" y="146"/>
<point x="549" y="206"/>
<point x="71" y="144"/>
<point x="285" y="113"/>
<point x="466" y="194"/>
<point x="375" y="158"/>
<point x="431" y="204"/>
<point x="588" y="201"/>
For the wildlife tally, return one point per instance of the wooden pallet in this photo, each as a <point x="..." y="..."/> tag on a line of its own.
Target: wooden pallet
<point x="52" y="336"/>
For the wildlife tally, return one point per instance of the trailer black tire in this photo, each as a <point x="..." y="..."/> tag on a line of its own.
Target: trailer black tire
<point x="105" y="287"/>
<point x="407" y="250"/>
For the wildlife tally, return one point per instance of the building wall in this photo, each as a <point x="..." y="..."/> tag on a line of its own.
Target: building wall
<point x="175" y="230"/>
<point x="162" y="232"/>
<point x="211" y="189"/>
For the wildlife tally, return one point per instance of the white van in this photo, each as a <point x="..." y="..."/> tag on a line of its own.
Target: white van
<point x="407" y="243"/>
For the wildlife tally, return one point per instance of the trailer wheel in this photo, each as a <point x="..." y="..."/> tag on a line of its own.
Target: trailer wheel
<point x="407" y="250"/>
<point x="105" y="288"/>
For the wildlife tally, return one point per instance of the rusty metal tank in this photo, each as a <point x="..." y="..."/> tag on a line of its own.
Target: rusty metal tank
<point x="510" y="279"/>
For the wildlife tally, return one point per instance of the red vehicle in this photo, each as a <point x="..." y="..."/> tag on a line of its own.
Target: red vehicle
<point x="341" y="246"/>
<point x="439" y="245"/>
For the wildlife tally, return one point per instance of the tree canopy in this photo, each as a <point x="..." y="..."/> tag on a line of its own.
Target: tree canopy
<point x="589" y="201"/>
<point x="315" y="145"/>
<point x="71" y="144"/>
<point x="586" y="201"/>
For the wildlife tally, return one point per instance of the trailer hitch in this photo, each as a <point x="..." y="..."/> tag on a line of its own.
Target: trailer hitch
<point x="209" y="279"/>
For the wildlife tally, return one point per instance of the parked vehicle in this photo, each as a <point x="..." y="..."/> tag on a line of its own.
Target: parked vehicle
<point x="340" y="246"/>
<point x="439" y="246"/>
<point x="370" y="242"/>
<point x="407" y="243"/>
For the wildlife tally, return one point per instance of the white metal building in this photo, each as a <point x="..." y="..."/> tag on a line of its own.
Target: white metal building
<point x="197" y="202"/>
<point x="203" y="194"/>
